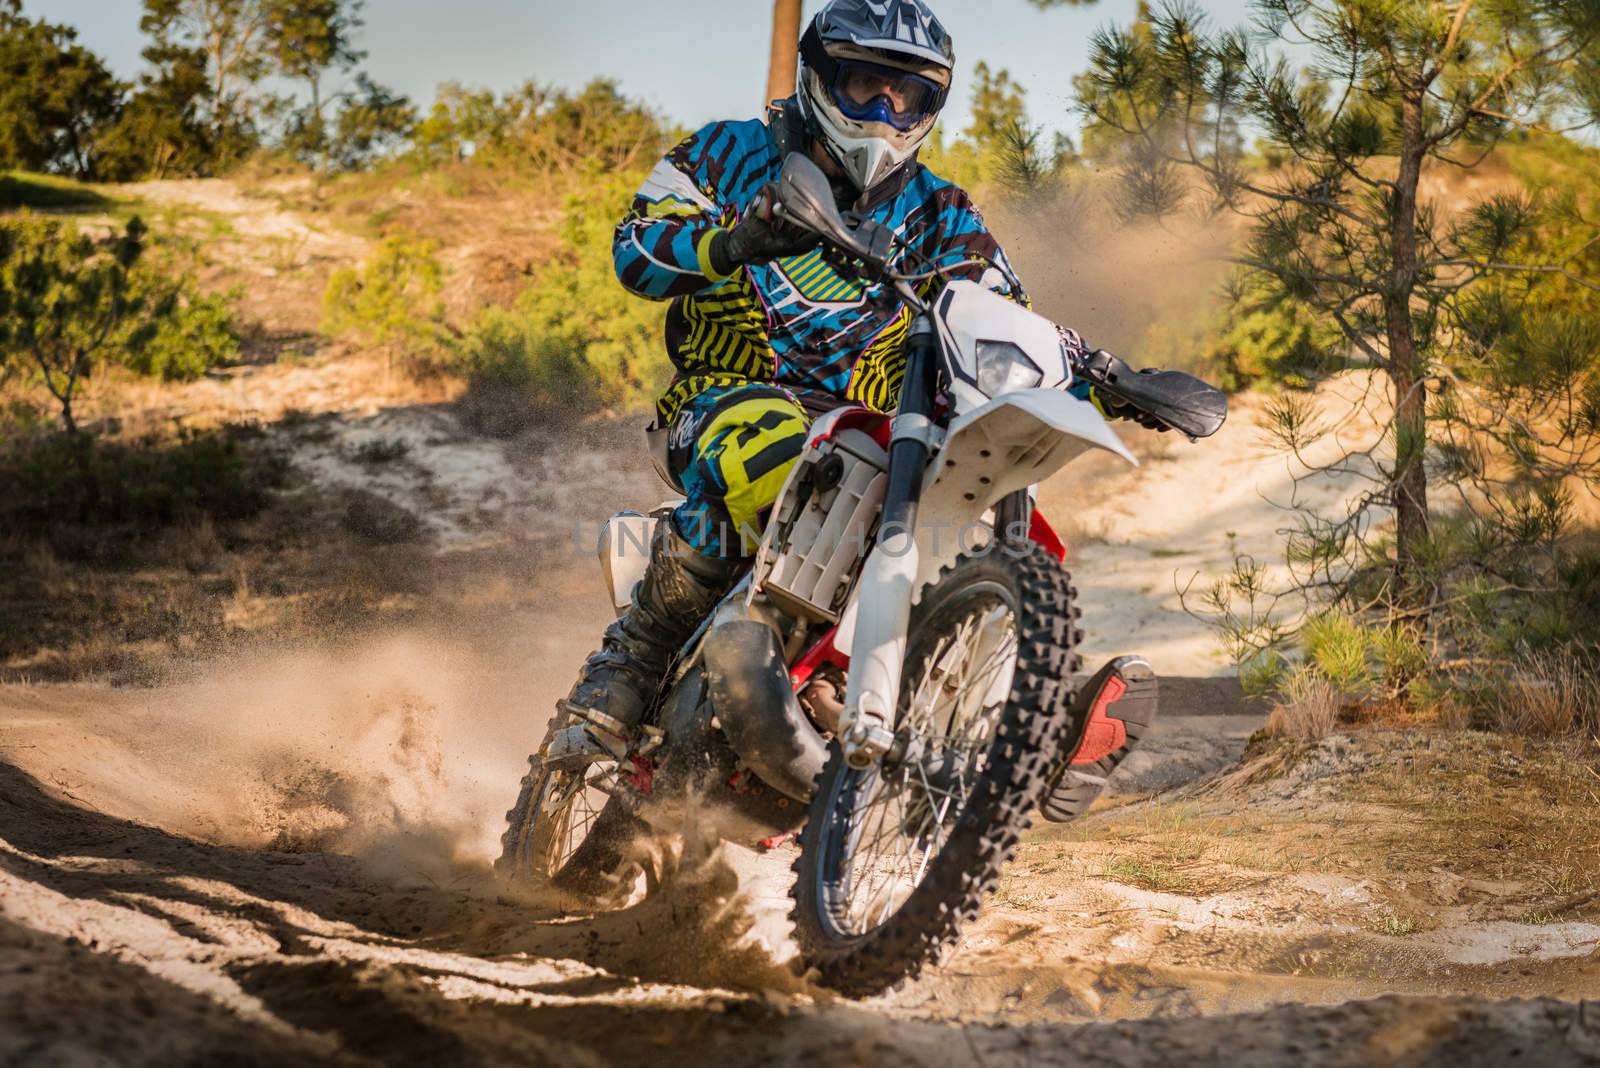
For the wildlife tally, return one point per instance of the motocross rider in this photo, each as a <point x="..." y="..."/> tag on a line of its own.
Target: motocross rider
<point x="763" y="332"/>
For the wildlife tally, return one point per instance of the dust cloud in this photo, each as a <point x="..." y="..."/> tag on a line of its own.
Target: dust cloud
<point x="403" y="750"/>
<point x="1143" y="290"/>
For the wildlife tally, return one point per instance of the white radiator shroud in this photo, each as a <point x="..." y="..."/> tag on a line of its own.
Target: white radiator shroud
<point x="807" y="561"/>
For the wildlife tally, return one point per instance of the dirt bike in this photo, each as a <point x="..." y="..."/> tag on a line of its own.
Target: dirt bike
<point x="895" y="673"/>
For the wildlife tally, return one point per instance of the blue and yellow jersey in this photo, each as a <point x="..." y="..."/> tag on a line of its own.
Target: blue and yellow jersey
<point x="797" y="321"/>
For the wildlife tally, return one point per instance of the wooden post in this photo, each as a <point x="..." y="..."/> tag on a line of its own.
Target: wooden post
<point x="785" y="49"/>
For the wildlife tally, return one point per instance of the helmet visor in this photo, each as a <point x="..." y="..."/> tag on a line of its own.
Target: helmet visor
<point x="868" y="92"/>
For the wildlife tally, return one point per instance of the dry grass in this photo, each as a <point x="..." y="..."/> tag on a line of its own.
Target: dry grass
<point x="1394" y="924"/>
<point x="1307" y="710"/>
<point x="1551" y="694"/>
<point x="1146" y="874"/>
<point x="1512" y="809"/>
<point x="1429" y="818"/>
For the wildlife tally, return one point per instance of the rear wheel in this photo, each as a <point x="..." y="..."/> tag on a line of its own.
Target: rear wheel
<point x="566" y="832"/>
<point x="895" y="858"/>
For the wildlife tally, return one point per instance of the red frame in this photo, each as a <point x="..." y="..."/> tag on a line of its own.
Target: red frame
<point x="823" y="652"/>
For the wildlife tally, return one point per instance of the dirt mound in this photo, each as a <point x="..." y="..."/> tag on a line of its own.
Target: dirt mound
<point x="129" y="945"/>
<point x="349" y="919"/>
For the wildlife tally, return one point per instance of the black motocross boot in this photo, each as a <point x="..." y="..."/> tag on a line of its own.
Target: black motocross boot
<point x="619" y="681"/>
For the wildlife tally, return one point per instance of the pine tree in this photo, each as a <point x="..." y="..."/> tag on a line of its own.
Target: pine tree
<point x="56" y="97"/>
<point x="1389" y="95"/>
<point x="235" y="40"/>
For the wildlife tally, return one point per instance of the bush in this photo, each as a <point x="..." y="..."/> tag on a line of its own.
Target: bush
<point x="47" y="482"/>
<point x="575" y="337"/>
<point x="1340" y="650"/>
<point x="392" y="303"/>
<point x="195" y="334"/>
<point x="541" y="131"/>
<point x="1548" y="693"/>
<point x="70" y="302"/>
<point x="1525" y="664"/>
<point x="1259" y="341"/>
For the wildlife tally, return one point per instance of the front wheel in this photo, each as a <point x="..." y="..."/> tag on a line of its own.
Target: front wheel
<point x="894" y="858"/>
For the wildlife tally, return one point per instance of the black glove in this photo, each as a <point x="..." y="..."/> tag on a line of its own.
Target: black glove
<point x="760" y="236"/>
<point x="1116" y="409"/>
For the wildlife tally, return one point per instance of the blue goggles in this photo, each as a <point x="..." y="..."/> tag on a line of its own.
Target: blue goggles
<point x="867" y="92"/>
<point x="873" y="92"/>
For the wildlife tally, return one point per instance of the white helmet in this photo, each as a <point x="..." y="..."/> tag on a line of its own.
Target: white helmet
<point x="873" y="76"/>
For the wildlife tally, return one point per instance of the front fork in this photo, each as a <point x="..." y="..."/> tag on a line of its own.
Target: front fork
<point x="888" y="579"/>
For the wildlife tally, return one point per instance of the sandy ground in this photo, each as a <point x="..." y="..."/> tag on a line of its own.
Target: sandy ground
<point x="182" y="880"/>
<point x="283" y="858"/>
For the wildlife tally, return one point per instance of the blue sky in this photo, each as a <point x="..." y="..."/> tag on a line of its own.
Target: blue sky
<point x="694" y="60"/>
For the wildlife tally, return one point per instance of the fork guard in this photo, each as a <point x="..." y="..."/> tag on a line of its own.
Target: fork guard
<point x="757" y="708"/>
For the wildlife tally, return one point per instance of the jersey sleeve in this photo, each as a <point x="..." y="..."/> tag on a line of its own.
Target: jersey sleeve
<point x="964" y="248"/>
<point x="660" y="247"/>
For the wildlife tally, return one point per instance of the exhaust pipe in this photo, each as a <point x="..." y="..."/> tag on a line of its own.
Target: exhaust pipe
<point x="757" y="707"/>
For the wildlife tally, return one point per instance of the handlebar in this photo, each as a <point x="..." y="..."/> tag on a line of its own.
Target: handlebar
<point x="805" y="197"/>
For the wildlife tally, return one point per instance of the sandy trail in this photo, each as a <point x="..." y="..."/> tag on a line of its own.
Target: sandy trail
<point x="253" y="223"/>
<point x="283" y="859"/>
<point x="128" y="943"/>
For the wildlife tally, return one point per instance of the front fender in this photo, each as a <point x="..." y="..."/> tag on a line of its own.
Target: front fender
<point x="1010" y="443"/>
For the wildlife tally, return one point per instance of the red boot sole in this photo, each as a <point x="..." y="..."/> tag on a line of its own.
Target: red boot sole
<point x="1122" y="701"/>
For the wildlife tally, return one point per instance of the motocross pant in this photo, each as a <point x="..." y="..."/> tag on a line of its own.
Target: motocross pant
<point x="730" y="450"/>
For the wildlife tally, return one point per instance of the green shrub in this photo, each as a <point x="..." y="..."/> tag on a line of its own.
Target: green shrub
<point x="392" y="303"/>
<point x="71" y="302"/>
<point x="1340" y="649"/>
<point x="1497" y="654"/>
<point x="522" y="350"/>
<point x="1260" y="340"/>
<point x="1263" y="673"/>
<point x="1400" y="655"/>
<point x="195" y="334"/>
<point x="575" y="336"/>
<point x="74" y="479"/>
<point x="535" y="130"/>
